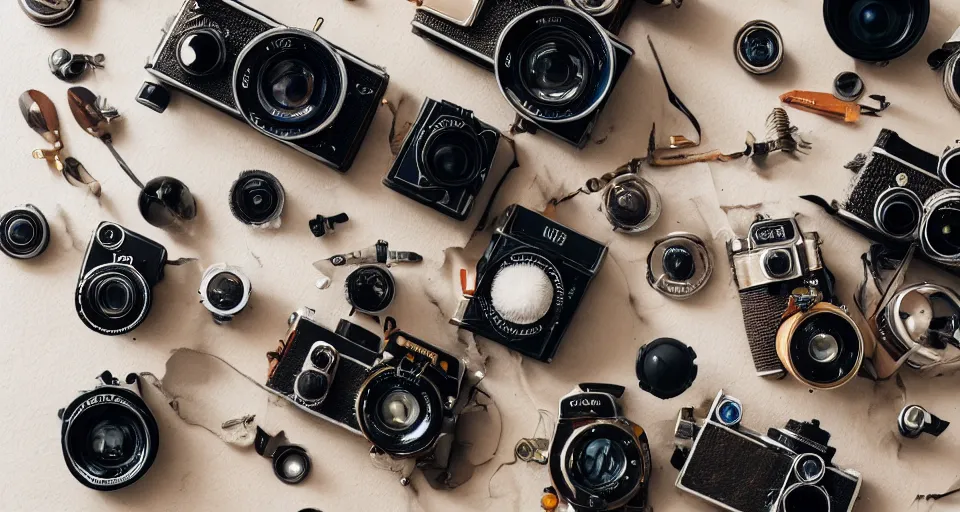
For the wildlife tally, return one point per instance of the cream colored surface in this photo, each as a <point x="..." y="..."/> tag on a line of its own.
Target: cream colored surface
<point x="49" y="355"/>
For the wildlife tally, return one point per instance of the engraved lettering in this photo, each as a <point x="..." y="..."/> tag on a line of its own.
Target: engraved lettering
<point x="555" y="235"/>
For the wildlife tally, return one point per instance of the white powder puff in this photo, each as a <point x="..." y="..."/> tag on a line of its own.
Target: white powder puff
<point x="522" y="293"/>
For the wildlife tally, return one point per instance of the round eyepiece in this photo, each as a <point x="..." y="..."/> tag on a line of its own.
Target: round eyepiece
<point x="679" y="265"/>
<point x="897" y="213"/>
<point x="940" y="227"/>
<point x="289" y="83"/>
<point x="398" y="414"/>
<point x="312" y="386"/>
<point x="522" y="293"/>
<point x="631" y="203"/>
<point x="110" y="236"/>
<point x="224" y="291"/>
<point x="949" y="167"/>
<point x="24" y="233"/>
<point x="370" y="289"/>
<point x="778" y="263"/>
<point x="201" y="51"/>
<point x="729" y="412"/>
<point x="821" y="347"/>
<point x="555" y="64"/>
<point x="451" y="155"/>
<point x="805" y="498"/>
<point x="848" y="86"/>
<point x="876" y="30"/>
<point x="113" y="299"/>
<point x="758" y="47"/>
<point x="666" y="368"/>
<point x="165" y="201"/>
<point x="291" y="464"/>
<point x="256" y="198"/>
<point x="109" y="438"/>
<point x="809" y="468"/>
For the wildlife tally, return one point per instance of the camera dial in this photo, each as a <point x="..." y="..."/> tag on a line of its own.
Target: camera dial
<point x="24" y="232"/>
<point x="876" y="30"/>
<point x="554" y="64"/>
<point x="596" y="7"/>
<point x="257" y="198"/>
<point x="940" y="227"/>
<point x="224" y="291"/>
<point x="758" y="47"/>
<point x="289" y="83"/>
<point x="109" y="436"/>
<point x="631" y="203"/>
<point x="201" y="51"/>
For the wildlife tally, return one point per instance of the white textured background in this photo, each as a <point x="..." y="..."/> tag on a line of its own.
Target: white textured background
<point x="49" y="355"/>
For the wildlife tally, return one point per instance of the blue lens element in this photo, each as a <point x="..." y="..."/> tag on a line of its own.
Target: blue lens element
<point x="729" y="412"/>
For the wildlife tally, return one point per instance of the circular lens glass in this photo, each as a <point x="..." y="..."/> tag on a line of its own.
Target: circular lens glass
<point x="778" y="263"/>
<point x="729" y="412"/>
<point x="321" y="357"/>
<point x="760" y="47"/>
<point x="311" y="385"/>
<point x="201" y="51"/>
<point x="257" y="198"/>
<point x="824" y="348"/>
<point x="810" y="468"/>
<point x="21" y="232"/>
<point x="452" y="157"/>
<point x="601" y="463"/>
<point x="678" y="263"/>
<point x="286" y="88"/>
<point x="225" y="291"/>
<point x="876" y="21"/>
<point x="876" y="30"/>
<point x="805" y="498"/>
<point x="899" y="214"/>
<point x="111" y="443"/>
<point x="24" y="233"/>
<point x="399" y="410"/>
<point x="114" y="296"/>
<point x="950" y="169"/>
<point x="370" y="289"/>
<point x="555" y="66"/>
<point x="943" y="229"/>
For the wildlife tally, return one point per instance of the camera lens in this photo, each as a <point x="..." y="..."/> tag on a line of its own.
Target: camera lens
<point x="370" y="289"/>
<point x="805" y="498"/>
<point x="312" y="385"/>
<point x="113" y="299"/>
<point x="554" y="64"/>
<point x="201" y="51"/>
<point x="256" y="198"/>
<point x="601" y="463"/>
<point x="631" y="203"/>
<point x="729" y="412"/>
<point x="897" y="213"/>
<point x="809" y="468"/>
<point x="778" y="263"/>
<point x="24" y="232"/>
<point x="399" y="410"/>
<point x="289" y="83"/>
<point x="679" y="265"/>
<point x="949" y="167"/>
<point x="291" y="464"/>
<point x="604" y="459"/>
<point x="759" y="47"/>
<point x="876" y="30"/>
<point x="940" y="227"/>
<point x="109" y="438"/>
<point x="822" y="347"/>
<point x="451" y="157"/>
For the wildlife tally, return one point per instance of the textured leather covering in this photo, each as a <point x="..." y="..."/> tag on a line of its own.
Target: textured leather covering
<point x="761" y="317"/>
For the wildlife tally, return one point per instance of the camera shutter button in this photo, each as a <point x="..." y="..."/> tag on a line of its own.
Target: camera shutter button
<point x="201" y="51"/>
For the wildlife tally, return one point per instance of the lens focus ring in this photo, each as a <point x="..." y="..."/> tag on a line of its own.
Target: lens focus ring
<point x="113" y="299"/>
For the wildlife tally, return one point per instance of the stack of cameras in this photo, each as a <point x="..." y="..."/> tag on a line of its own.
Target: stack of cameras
<point x="446" y="158"/>
<point x="402" y="394"/>
<point x="902" y="195"/>
<point x="556" y="62"/>
<point x="287" y="83"/>
<point x="529" y="283"/>
<point x="789" y="306"/>
<point x="788" y="470"/>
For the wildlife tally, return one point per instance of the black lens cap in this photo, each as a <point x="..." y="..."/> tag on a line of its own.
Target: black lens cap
<point x="256" y="198"/>
<point x="165" y="200"/>
<point x="666" y="368"/>
<point x="370" y="289"/>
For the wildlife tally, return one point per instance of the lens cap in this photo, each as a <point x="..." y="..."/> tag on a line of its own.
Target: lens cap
<point x="666" y="368"/>
<point x="165" y="200"/>
<point x="848" y="86"/>
<point x="256" y="198"/>
<point x="370" y="289"/>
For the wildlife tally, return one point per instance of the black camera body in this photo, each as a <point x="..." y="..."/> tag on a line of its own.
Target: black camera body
<point x="591" y="425"/>
<point x="404" y="399"/>
<point x="529" y="252"/>
<point x="119" y="271"/>
<point x="496" y="39"/>
<point x="445" y="159"/>
<point x="320" y="99"/>
<point x="788" y="470"/>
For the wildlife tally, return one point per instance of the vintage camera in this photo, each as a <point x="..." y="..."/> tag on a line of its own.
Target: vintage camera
<point x="404" y="399"/>
<point x="287" y="83"/>
<point x="902" y="194"/>
<point x="555" y="64"/>
<point x="119" y="271"/>
<point x="598" y="459"/>
<point x="446" y="157"/>
<point x="108" y="435"/>
<point x="529" y="283"/>
<point x="788" y="470"/>
<point x="787" y="299"/>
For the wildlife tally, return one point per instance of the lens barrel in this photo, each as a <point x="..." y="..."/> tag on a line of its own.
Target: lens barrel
<point x="24" y="232"/>
<point x="821" y="347"/>
<point x="759" y="48"/>
<point x="400" y="415"/>
<point x="876" y="30"/>
<point x="113" y="299"/>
